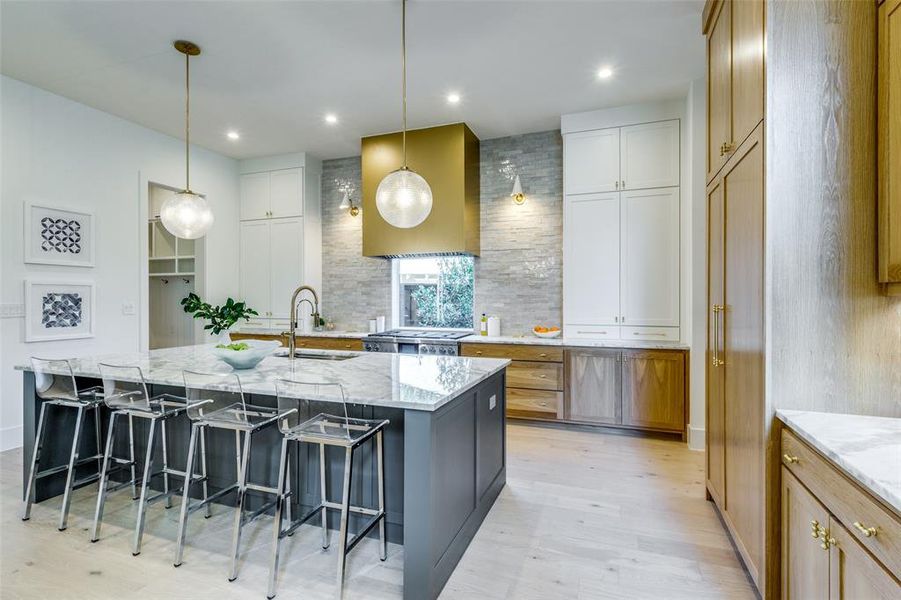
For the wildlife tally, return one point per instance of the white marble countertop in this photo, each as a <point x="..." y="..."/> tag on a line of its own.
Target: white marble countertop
<point x="867" y="449"/>
<point x="574" y="342"/>
<point x="375" y="378"/>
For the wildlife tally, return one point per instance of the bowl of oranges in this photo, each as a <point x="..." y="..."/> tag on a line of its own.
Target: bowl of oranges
<point x="546" y="332"/>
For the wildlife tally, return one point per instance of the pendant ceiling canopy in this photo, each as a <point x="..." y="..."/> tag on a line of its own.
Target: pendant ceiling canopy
<point x="187" y="215"/>
<point x="404" y="198"/>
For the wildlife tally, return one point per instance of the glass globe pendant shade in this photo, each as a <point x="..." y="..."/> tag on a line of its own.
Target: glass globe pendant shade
<point x="404" y="198"/>
<point x="186" y="215"/>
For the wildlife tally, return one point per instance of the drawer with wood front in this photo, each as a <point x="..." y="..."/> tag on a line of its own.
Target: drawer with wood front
<point x="513" y="352"/>
<point x="329" y="343"/>
<point x="534" y="404"/>
<point x="535" y="375"/>
<point x="873" y="525"/>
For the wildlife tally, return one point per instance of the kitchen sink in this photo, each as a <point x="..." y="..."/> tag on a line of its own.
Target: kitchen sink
<point x="304" y="354"/>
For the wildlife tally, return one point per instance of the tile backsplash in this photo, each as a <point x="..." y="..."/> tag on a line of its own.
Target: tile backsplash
<point x="518" y="276"/>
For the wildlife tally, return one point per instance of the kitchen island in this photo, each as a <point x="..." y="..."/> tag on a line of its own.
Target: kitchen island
<point x="445" y="458"/>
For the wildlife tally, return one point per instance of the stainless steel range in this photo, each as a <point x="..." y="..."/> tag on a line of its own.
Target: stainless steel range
<point x="414" y="341"/>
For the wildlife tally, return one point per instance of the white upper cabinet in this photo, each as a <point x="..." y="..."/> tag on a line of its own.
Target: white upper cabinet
<point x="649" y="277"/>
<point x="254" y="196"/>
<point x="286" y="193"/>
<point x="649" y="155"/>
<point x="285" y="263"/>
<point x="592" y="162"/>
<point x="591" y="259"/>
<point x="272" y="194"/>
<point x="254" y="267"/>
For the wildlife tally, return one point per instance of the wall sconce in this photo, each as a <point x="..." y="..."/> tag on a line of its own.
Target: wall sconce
<point x="516" y="194"/>
<point x="348" y="204"/>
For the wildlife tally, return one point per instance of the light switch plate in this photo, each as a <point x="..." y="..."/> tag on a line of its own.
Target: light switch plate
<point x="128" y="308"/>
<point x="492" y="402"/>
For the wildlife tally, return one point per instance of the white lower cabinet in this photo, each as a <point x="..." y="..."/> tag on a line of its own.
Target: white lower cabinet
<point x="271" y="268"/>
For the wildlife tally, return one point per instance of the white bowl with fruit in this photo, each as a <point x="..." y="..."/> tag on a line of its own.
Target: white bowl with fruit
<point x="546" y="332"/>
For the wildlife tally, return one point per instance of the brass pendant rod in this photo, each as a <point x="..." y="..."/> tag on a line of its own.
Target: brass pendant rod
<point x="187" y="122"/>
<point x="403" y="46"/>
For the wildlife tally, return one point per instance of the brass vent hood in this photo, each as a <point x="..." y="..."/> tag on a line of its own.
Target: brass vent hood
<point x="448" y="158"/>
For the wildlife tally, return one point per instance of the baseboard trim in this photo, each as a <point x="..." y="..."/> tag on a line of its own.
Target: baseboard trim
<point x="10" y="437"/>
<point x="696" y="438"/>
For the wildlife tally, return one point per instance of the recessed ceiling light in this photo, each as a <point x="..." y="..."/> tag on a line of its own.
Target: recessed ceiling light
<point x="233" y="135"/>
<point x="453" y="98"/>
<point x="331" y="119"/>
<point x="605" y="73"/>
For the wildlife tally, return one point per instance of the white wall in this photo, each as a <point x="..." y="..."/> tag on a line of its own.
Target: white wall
<point x="58" y="151"/>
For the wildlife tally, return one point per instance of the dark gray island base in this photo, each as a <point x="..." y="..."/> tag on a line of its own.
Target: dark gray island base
<point x="444" y="468"/>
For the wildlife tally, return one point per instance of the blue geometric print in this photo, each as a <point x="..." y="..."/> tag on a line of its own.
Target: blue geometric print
<point x="61" y="310"/>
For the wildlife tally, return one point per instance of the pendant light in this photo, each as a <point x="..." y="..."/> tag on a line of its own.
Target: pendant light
<point x="187" y="215"/>
<point x="404" y="198"/>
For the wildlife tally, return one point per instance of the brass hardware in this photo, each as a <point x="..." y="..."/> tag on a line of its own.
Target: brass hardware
<point x="716" y="335"/>
<point x="728" y="147"/>
<point x="543" y="355"/>
<point x="815" y="529"/>
<point x="791" y="459"/>
<point x="478" y="352"/>
<point x="354" y="210"/>
<point x="866" y="531"/>
<point x="590" y="332"/>
<point x="640" y="333"/>
<point x="543" y="404"/>
<point x="542" y="377"/>
<point x="721" y="149"/>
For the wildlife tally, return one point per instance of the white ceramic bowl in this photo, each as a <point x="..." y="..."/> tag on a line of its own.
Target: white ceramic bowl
<point x="548" y="334"/>
<point x="249" y="358"/>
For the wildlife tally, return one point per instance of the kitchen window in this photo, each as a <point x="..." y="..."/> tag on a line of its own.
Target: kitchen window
<point x="434" y="292"/>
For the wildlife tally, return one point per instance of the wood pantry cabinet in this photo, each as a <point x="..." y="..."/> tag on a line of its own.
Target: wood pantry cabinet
<point x="622" y="232"/>
<point x="838" y="542"/>
<point x="889" y="145"/>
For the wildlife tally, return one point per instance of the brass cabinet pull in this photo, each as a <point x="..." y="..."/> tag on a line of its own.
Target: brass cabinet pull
<point x="866" y="531"/>
<point x="716" y="335"/>
<point x="791" y="459"/>
<point x="643" y="333"/>
<point x="479" y="352"/>
<point x="543" y="355"/>
<point x="542" y="376"/>
<point x="815" y="529"/>
<point x="590" y="332"/>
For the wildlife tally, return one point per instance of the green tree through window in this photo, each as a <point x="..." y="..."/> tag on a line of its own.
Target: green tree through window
<point x="441" y="295"/>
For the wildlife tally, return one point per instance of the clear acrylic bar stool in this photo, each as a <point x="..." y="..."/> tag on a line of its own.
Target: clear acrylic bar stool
<point x="294" y="401"/>
<point x="125" y="393"/>
<point x="54" y="383"/>
<point x="216" y="400"/>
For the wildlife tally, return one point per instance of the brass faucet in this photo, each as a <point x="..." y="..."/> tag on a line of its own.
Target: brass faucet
<point x="293" y="325"/>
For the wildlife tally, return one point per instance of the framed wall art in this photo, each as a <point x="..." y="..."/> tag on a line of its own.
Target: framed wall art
<point x="58" y="236"/>
<point x="58" y="310"/>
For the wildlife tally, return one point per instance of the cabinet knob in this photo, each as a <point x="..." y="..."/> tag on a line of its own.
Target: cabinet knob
<point x="542" y="377"/>
<point x="478" y="352"/>
<point x="791" y="459"/>
<point x="866" y="531"/>
<point x="543" y="355"/>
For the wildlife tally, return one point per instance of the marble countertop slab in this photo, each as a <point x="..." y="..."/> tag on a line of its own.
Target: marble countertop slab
<point x="323" y="334"/>
<point x="573" y="342"/>
<point x="867" y="449"/>
<point x="374" y="378"/>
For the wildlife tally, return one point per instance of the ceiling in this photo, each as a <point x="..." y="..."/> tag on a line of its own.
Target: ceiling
<point x="272" y="70"/>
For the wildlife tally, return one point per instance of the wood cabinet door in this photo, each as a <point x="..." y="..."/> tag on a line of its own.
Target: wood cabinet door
<point x="805" y="564"/>
<point x="719" y="87"/>
<point x="654" y="389"/>
<point x="889" y="144"/>
<point x="593" y="386"/>
<point x="853" y="573"/>
<point x="254" y="266"/>
<point x="649" y="272"/>
<point x="743" y="348"/>
<point x="747" y="68"/>
<point x="716" y="453"/>
<point x="649" y="155"/>
<point x="591" y="259"/>
<point x="591" y="161"/>
<point x="286" y="193"/>
<point x="254" y="196"/>
<point x="286" y="265"/>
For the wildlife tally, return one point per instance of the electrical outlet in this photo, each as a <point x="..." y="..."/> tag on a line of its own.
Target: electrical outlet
<point x="128" y="308"/>
<point x="12" y="311"/>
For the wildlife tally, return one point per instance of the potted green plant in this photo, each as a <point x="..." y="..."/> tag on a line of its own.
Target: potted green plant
<point x="220" y="318"/>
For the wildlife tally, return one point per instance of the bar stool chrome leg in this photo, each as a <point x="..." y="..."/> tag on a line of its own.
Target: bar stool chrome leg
<point x="277" y="529"/>
<point x="209" y="506"/>
<point x="70" y="476"/>
<point x="145" y="483"/>
<point x="185" y="499"/>
<point x="35" y="461"/>
<point x="131" y="457"/>
<point x="380" y="453"/>
<point x="323" y="496"/>
<point x="164" y="441"/>
<point x="345" y="513"/>
<point x="97" y="437"/>
<point x="104" y="476"/>
<point x="239" y="509"/>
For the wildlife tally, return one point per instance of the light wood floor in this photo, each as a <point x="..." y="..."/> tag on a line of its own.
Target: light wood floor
<point x="584" y="515"/>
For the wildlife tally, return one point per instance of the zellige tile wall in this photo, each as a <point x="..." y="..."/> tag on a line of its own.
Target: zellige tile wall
<point x="518" y="276"/>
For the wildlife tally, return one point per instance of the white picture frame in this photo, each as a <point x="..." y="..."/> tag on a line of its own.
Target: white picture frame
<point x="59" y="310"/>
<point x="58" y="235"/>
